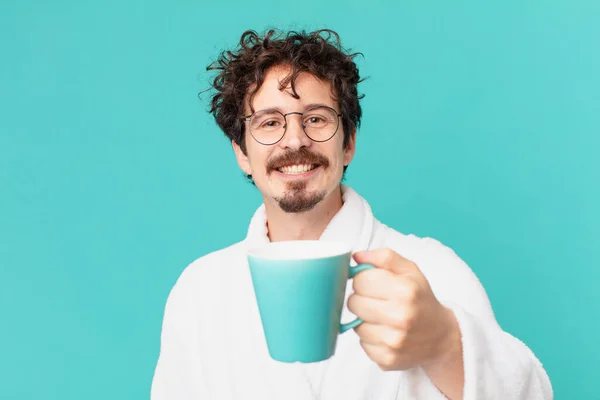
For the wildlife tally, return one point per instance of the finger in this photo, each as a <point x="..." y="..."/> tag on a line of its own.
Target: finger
<point x="368" y="309"/>
<point x="374" y="351"/>
<point x="382" y="312"/>
<point x="376" y="283"/>
<point x="386" y="259"/>
<point x="381" y="335"/>
<point x="385" y="358"/>
<point x="384" y="285"/>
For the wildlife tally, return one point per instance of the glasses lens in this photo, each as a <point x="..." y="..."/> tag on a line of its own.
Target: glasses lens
<point x="267" y="126"/>
<point x="321" y="123"/>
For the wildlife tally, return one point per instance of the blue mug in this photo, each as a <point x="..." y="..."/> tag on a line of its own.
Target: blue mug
<point x="300" y="287"/>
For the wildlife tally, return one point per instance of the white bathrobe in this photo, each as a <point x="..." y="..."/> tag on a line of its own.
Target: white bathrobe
<point x="213" y="346"/>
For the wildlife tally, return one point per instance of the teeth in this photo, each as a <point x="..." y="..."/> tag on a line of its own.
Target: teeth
<point x="296" y="169"/>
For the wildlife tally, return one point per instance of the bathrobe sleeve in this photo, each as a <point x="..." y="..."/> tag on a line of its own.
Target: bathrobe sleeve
<point x="496" y="364"/>
<point x="178" y="374"/>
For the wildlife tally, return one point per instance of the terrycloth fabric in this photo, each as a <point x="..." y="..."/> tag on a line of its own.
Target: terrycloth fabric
<point x="213" y="346"/>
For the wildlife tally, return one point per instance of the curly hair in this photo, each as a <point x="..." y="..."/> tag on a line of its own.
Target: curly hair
<point x="319" y="53"/>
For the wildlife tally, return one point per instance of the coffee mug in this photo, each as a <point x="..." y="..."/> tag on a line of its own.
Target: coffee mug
<point x="300" y="287"/>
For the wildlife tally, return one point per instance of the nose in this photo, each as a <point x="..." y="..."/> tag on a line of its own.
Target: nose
<point x="294" y="137"/>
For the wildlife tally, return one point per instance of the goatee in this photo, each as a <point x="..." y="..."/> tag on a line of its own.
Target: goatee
<point x="297" y="199"/>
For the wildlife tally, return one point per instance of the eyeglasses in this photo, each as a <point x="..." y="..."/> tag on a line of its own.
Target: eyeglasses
<point x="268" y="126"/>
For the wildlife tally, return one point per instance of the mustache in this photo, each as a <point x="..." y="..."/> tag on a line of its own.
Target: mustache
<point x="300" y="156"/>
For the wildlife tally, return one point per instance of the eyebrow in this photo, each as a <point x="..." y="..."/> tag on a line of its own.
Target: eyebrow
<point x="306" y="107"/>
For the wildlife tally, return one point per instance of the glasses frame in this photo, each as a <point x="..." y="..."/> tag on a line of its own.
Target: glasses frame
<point x="248" y="117"/>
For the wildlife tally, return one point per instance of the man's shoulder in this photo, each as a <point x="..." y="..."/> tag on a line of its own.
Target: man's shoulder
<point x="205" y="283"/>
<point x="434" y="258"/>
<point x="219" y="256"/>
<point x="411" y="244"/>
<point x="449" y="275"/>
<point x="212" y="267"/>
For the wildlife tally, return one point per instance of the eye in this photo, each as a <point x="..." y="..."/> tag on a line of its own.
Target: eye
<point x="270" y="124"/>
<point x="319" y="117"/>
<point x="315" y="120"/>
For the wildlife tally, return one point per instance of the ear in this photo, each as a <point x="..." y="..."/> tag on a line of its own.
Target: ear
<point x="242" y="159"/>
<point x="350" y="148"/>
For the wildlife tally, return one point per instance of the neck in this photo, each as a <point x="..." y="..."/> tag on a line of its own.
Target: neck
<point x="303" y="226"/>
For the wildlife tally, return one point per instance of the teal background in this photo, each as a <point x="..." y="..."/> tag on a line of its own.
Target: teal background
<point x="481" y="129"/>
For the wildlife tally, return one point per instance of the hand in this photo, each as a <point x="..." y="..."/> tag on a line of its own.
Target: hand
<point x="404" y="324"/>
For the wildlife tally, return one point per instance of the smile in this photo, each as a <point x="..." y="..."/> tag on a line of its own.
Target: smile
<point x="297" y="169"/>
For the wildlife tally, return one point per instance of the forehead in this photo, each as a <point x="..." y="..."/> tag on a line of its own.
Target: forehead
<point x="309" y="88"/>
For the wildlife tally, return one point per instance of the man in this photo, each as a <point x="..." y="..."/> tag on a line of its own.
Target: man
<point x="291" y="108"/>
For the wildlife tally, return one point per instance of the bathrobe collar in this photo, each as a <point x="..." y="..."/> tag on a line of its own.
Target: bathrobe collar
<point x="352" y="225"/>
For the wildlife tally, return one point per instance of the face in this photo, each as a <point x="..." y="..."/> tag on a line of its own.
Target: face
<point x="296" y="173"/>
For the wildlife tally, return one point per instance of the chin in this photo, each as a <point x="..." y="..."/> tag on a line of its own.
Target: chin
<point x="299" y="201"/>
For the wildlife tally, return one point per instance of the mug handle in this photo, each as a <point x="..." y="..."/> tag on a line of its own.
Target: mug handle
<point x="353" y="271"/>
